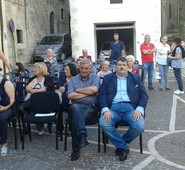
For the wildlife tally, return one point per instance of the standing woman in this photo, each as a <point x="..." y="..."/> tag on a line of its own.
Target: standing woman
<point x="161" y="61"/>
<point x="176" y="63"/>
<point x="7" y="96"/>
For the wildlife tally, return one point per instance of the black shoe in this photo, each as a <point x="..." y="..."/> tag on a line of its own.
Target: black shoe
<point x="118" y="151"/>
<point x="160" y="89"/>
<point x="123" y="153"/>
<point x="167" y="88"/>
<point x="150" y="88"/>
<point x="83" y="141"/>
<point x="75" y="155"/>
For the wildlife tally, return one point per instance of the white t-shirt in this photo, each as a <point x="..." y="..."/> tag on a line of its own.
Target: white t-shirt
<point x="162" y="53"/>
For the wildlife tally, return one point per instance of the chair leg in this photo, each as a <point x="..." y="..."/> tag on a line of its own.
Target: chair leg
<point x="65" y="135"/>
<point x="105" y="141"/>
<point x="29" y="131"/>
<point x="56" y="132"/>
<point x="23" y="134"/>
<point x="19" y="122"/>
<point x="98" y="138"/>
<point x="15" y="133"/>
<point x="141" y="143"/>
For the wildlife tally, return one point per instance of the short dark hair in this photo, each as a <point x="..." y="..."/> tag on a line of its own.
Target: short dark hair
<point x="72" y="68"/>
<point x="123" y="59"/>
<point x="116" y="33"/>
<point x="177" y="40"/>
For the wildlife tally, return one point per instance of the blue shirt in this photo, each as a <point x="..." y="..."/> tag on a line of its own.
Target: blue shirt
<point x="177" y="63"/>
<point x="116" y="50"/>
<point x="122" y="95"/>
<point x="77" y="82"/>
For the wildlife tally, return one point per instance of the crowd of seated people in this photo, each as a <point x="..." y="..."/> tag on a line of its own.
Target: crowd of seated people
<point x="79" y="88"/>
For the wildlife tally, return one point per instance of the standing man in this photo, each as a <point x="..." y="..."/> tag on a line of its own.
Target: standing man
<point x="82" y="91"/>
<point x="117" y="48"/>
<point x="122" y="96"/>
<point x="85" y="55"/>
<point x="147" y="56"/>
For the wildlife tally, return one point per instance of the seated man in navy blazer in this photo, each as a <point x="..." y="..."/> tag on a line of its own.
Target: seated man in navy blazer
<point x="122" y="96"/>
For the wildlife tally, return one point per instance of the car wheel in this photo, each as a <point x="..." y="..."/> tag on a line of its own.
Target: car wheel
<point x="63" y="56"/>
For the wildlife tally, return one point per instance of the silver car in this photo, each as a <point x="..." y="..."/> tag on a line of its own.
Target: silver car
<point x="104" y="51"/>
<point x="60" y="43"/>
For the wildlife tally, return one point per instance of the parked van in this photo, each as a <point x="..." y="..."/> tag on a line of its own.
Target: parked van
<point x="60" y="43"/>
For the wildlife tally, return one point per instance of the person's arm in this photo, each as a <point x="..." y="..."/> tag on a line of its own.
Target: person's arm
<point x="76" y="96"/>
<point x="10" y="91"/>
<point x="123" y="52"/>
<point x="177" y="55"/>
<point x="150" y="51"/>
<point x="87" y="90"/>
<point x="2" y="56"/>
<point x="29" y="88"/>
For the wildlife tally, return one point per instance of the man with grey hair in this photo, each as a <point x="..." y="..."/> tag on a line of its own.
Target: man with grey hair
<point x="147" y="55"/>
<point x="85" y="55"/>
<point x="82" y="91"/>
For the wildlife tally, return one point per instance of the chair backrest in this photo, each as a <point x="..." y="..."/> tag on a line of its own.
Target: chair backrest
<point x="44" y="102"/>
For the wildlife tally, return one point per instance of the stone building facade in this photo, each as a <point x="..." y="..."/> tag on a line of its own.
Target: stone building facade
<point x="33" y="20"/>
<point x="173" y="18"/>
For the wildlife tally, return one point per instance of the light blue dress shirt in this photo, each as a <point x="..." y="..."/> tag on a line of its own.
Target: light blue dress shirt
<point x="122" y="95"/>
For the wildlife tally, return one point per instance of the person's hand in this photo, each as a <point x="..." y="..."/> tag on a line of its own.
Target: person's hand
<point x="108" y="116"/>
<point x="2" y="108"/>
<point x="136" y="115"/>
<point x="62" y="89"/>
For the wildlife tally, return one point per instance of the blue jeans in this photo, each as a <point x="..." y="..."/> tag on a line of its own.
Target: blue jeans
<point x="81" y="114"/>
<point x="148" y="68"/>
<point x="122" y="111"/>
<point x="4" y="116"/>
<point x="177" y="73"/>
<point x="163" y="70"/>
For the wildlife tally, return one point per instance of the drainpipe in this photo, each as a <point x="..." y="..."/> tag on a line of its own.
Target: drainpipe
<point x="2" y="32"/>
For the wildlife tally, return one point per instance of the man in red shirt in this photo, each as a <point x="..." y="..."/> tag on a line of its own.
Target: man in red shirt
<point x="147" y="55"/>
<point x="85" y="55"/>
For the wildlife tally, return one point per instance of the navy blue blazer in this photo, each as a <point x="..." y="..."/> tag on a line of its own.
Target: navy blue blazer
<point x="135" y="88"/>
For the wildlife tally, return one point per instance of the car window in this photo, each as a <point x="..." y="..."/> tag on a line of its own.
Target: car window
<point x="105" y="46"/>
<point x="50" y="40"/>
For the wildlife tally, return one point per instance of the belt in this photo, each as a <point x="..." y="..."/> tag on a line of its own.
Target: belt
<point x="124" y="102"/>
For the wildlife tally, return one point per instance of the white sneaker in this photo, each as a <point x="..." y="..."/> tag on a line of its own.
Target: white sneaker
<point x="4" y="150"/>
<point x="178" y="92"/>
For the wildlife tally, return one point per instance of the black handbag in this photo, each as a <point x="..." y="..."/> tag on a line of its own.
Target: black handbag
<point x="169" y="62"/>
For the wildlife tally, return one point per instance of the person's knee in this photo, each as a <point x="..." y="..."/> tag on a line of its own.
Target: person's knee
<point x="139" y="127"/>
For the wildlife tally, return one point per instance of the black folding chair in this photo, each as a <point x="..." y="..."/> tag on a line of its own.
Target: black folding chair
<point x="13" y="121"/>
<point x="121" y="123"/>
<point x="44" y="108"/>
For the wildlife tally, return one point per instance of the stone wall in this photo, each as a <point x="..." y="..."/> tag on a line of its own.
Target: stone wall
<point x="32" y="17"/>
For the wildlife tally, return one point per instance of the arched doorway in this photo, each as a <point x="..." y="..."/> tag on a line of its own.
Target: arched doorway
<point x="52" y="20"/>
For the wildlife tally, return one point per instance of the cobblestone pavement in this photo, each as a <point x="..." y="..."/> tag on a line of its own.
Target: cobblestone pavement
<point x="163" y="143"/>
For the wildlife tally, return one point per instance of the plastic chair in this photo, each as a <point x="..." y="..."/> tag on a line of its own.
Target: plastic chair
<point x="44" y="108"/>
